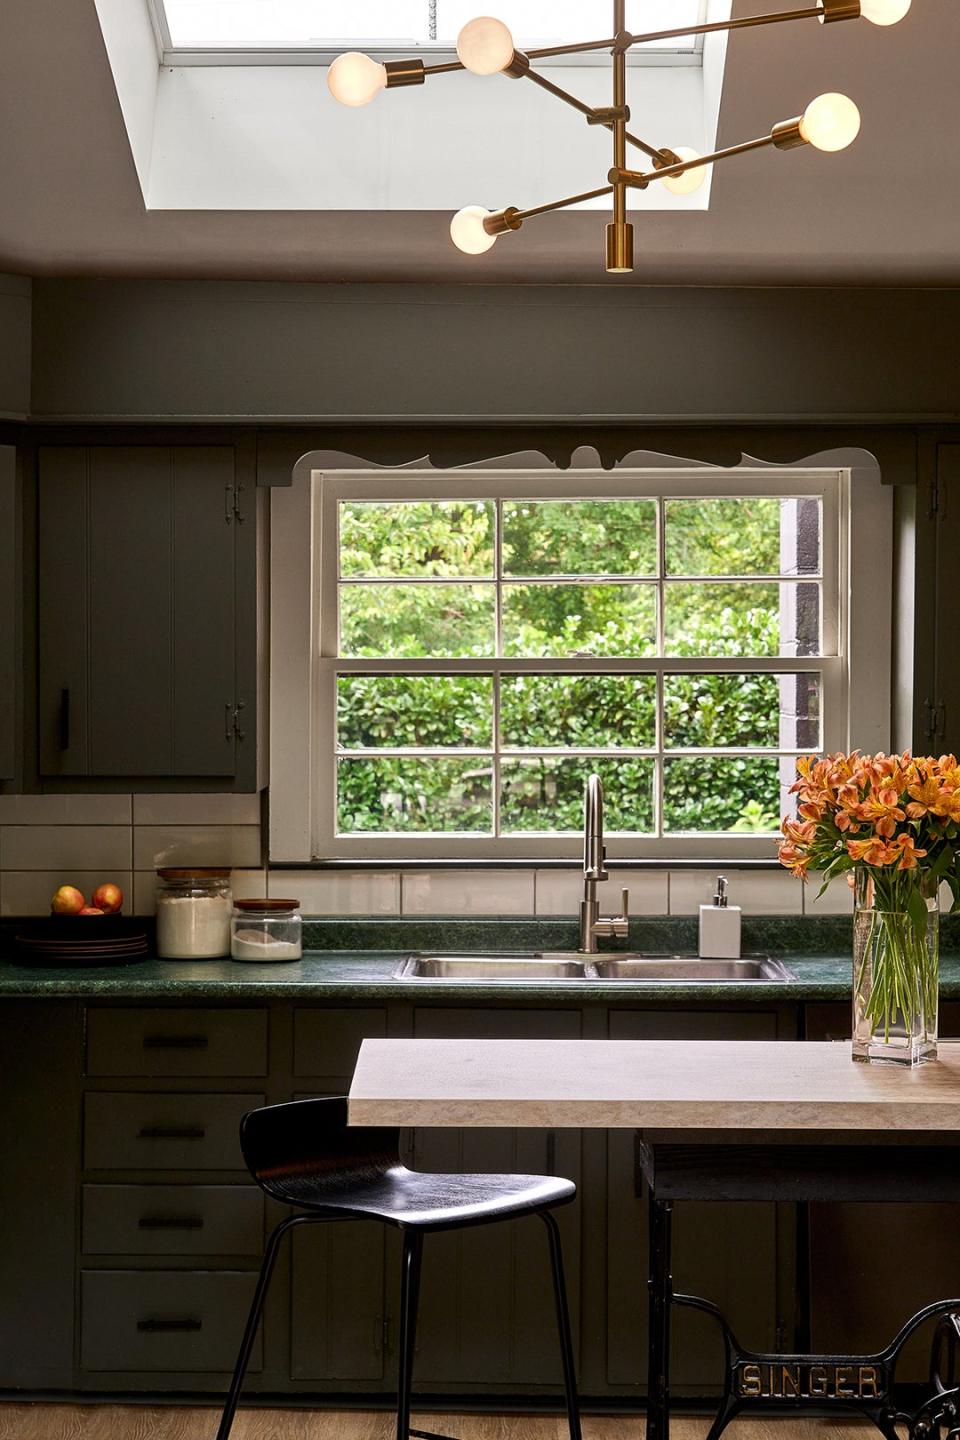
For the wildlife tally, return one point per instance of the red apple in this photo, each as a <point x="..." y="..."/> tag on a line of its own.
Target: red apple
<point x="108" y="898"/>
<point x="68" y="900"/>
<point x="89" y="910"/>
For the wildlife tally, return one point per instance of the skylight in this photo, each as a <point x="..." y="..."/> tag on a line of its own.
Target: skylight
<point x="404" y="26"/>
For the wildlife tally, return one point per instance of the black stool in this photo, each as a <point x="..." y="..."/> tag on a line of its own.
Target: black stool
<point x="758" y="1380"/>
<point x="305" y="1154"/>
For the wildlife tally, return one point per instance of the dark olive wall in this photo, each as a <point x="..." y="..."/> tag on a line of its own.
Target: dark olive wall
<point x="232" y="351"/>
<point x="14" y="347"/>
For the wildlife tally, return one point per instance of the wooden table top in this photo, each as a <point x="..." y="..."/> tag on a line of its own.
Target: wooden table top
<point x="658" y="1084"/>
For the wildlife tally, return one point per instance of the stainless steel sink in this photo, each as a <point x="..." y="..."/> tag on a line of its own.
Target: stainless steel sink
<point x="691" y="967"/>
<point x="534" y="966"/>
<point x="491" y="967"/>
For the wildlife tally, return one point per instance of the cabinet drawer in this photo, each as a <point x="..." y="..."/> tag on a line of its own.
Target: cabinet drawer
<point x="164" y="1132"/>
<point x="326" y="1042"/>
<point x="172" y="1220"/>
<point x="176" y="1042"/>
<point x="185" y="1320"/>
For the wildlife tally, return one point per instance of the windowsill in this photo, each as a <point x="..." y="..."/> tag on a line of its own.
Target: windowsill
<point x="658" y="863"/>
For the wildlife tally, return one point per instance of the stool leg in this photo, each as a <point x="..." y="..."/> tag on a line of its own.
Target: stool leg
<point x="661" y="1293"/>
<point x="563" y="1324"/>
<point x="409" y="1300"/>
<point x="253" y="1320"/>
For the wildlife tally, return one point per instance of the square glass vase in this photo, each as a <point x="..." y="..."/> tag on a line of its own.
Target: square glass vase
<point x="896" y="968"/>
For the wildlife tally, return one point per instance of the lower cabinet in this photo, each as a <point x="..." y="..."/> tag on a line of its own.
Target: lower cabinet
<point x="181" y="1321"/>
<point x="339" y="1325"/>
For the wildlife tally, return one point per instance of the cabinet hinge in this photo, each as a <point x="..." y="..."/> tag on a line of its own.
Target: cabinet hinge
<point x="935" y="721"/>
<point x="232" y="727"/>
<point x="233" y="504"/>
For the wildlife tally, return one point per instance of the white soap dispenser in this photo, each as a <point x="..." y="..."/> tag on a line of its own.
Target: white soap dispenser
<point x="720" y="926"/>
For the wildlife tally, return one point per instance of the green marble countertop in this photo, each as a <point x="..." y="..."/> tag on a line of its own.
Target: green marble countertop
<point x="348" y="960"/>
<point x="350" y="976"/>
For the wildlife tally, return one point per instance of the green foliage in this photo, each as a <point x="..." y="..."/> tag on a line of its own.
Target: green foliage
<point x="450" y="539"/>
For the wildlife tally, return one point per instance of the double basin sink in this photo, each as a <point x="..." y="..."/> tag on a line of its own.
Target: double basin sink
<point x="563" y="966"/>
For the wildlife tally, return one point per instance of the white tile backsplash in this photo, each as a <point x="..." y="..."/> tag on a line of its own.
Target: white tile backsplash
<point x="366" y="894"/>
<point x="29" y="892"/>
<point x="559" y="892"/>
<point x="837" y="899"/>
<point x="155" y="846"/>
<point x="760" y="892"/>
<point x="56" y="847"/>
<point x="467" y="892"/>
<point x="65" y="809"/>
<point x="196" y="809"/>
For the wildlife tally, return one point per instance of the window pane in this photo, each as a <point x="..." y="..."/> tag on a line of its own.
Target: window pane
<point x="422" y="621"/>
<point x="581" y="711"/>
<point x="422" y="710"/>
<point x="754" y="535"/>
<point x="559" y="620"/>
<point x="723" y="711"/>
<point x="579" y="537"/>
<point x="413" y="538"/>
<point x="438" y="796"/>
<point x="546" y="794"/>
<point x="721" y="792"/>
<point x="741" y="618"/>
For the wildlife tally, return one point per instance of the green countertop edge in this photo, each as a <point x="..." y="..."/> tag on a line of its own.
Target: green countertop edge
<point x="365" y="976"/>
<point x="353" y="960"/>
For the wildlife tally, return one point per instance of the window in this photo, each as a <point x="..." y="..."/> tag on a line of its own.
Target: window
<point x="485" y="641"/>
<point x="402" y="26"/>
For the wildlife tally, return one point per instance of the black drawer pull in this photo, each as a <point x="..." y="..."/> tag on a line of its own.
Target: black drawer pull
<point x="175" y="1042"/>
<point x="160" y="1327"/>
<point x="170" y="1222"/>
<point x="167" y="1132"/>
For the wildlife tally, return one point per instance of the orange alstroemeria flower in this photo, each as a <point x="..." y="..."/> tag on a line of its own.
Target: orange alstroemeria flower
<point x="909" y="854"/>
<point x="928" y="796"/>
<point x="883" y="810"/>
<point x="873" y="851"/>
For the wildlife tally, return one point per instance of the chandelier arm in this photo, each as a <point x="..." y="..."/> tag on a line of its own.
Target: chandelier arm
<point x="590" y="112"/>
<point x="562" y="204"/>
<point x="815" y="12"/>
<point x="443" y="69"/>
<point x="640" y="179"/>
<point x="580" y="48"/>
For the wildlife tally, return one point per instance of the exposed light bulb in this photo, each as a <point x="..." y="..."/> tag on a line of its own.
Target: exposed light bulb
<point x="831" y="122"/>
<point x="485" y="46"/>
<point x="688" y="180"/>
<point x="467" y="232"/>
<point x="354" y="79"/>
<point x="884" y="12"/>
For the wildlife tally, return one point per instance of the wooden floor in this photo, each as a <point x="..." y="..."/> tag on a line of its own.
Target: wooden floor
<point x="134" y="1422"/>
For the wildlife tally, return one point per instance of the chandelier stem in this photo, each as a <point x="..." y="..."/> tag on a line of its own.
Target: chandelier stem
<point x="589" y="112"/>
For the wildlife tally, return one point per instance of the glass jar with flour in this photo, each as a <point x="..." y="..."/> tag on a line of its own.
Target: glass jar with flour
<point x="266" y="930"/>
<point x="193" y="914"/>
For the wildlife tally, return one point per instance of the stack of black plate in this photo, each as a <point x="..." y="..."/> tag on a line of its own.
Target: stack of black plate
<point x="74" y="940"/>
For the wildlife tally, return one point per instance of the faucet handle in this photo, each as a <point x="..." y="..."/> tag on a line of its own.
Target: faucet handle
<point x="624" y="903"/>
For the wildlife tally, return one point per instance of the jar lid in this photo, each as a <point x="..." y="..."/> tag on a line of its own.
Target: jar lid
<point x="194" y="873"/>
<point x="275" y="905"/>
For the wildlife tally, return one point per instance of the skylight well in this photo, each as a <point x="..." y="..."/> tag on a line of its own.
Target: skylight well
<point x="319" y="29"/>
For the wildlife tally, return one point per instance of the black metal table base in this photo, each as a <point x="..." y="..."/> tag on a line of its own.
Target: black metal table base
<point x="754" y="1380"/>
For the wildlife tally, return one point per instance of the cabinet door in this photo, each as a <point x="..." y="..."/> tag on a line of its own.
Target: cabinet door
<point x="487" y="1317"/>
<point x="137" y="610"/>
<point x="8" y="609"/>
<point x="726" y="1253"/>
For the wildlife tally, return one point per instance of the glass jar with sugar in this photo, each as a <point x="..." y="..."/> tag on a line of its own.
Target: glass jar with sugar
<point x="263" y="931"/>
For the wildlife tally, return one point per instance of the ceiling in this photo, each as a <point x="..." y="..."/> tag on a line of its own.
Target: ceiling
<point x="885" y="212"/>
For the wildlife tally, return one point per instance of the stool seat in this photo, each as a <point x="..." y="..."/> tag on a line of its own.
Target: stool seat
<point x="417" y="1198"/>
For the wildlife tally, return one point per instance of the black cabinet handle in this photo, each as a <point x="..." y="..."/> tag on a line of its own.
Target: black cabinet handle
<point x="166" y="1132"/>
<point x="65" y="719"/>
<point x="170" y="1222"/>
<point x="160" y="1327"/>
<point x="175" y="1042"/>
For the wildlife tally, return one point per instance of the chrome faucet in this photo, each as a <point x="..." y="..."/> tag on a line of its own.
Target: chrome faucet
<point x="592" y="923"/>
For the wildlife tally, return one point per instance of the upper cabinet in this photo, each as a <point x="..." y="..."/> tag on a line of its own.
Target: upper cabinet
<point x="146" y="613"/>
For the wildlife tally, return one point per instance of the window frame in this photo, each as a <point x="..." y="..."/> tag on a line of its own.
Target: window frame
<point x="327" y="488"/>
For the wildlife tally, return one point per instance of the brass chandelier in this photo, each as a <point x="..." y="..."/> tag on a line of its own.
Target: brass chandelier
<point x="485" y="47"/>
